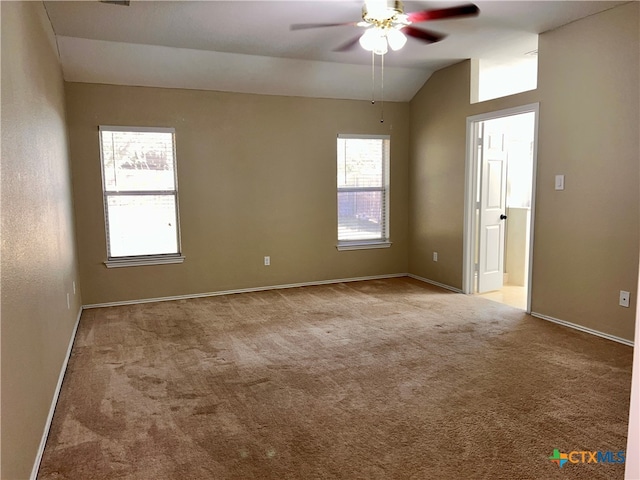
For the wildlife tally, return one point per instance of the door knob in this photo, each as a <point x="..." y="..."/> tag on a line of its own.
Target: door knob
<point x="503" y="217"/>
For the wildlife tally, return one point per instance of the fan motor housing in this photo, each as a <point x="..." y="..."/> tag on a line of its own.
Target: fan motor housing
<point x="381" y="12"/>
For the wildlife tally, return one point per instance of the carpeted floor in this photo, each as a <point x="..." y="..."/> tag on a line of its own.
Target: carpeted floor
<point x="388" y="379"/>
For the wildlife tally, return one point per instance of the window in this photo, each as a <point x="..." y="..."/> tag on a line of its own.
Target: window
<point x="506" y="71"/>
<point x="140" y="195"/>
<point x="363" y="191"/>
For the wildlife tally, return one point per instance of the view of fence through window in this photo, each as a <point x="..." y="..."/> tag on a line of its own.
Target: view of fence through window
<point x="140" y="196"/>
<point x="362" y="188"/>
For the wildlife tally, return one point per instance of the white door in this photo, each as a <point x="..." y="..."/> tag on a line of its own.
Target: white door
<point x="492" y="208"/>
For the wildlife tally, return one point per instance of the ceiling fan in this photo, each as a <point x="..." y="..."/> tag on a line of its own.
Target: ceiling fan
<point x="387" y="25"/>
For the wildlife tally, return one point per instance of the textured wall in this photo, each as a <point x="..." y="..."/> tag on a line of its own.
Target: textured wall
<point x="586" y="237"/>
<point x="436" y="175"/>
<point x="517" y="251"/>
<point x="256" y="177"/>
<point x="38" y="247"/>
<point x="439" y="113"/>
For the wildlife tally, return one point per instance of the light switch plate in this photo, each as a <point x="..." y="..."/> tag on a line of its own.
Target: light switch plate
<point x="559" y="182"/>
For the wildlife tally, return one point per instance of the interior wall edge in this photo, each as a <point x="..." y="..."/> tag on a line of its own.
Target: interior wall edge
<point x="54" y="399"/>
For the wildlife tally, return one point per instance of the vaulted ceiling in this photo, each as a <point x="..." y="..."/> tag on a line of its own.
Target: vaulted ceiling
<point x="248" y="46"/>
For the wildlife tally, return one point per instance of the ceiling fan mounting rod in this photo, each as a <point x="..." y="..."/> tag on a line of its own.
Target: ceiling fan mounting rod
<point x="384" y="14"/>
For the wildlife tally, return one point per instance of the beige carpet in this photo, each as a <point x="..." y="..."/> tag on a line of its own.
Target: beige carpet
<point x="389" y="379"/>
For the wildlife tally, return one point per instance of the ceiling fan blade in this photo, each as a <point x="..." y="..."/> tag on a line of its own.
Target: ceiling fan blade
<point x="423" y="35"/>
<point x="305" y="26"/>
<point x="463" y="10"/>
<point x="345" y="47"/>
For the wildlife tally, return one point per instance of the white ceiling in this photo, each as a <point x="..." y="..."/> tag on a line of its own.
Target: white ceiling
<point x="247" y="46"/>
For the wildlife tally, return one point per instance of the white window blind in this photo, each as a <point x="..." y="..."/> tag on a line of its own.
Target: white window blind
<point x="363" y="189"/>
<point x="140" y="192"/>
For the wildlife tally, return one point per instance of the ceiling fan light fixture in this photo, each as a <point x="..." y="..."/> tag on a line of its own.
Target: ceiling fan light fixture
<point x="374" y="40"/>
<point x="367" y="40"/>
<point x="396" y="39"/>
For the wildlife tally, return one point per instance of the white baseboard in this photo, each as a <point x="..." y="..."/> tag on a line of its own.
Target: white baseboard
<point x="575" y="326"/>
<point x="54" y="401"/>
<point x="542" y="317"/>
<point x="437" y="284"/>
<point x="245" y="290"/>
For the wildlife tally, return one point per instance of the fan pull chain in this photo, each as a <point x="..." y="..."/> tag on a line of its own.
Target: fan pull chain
<point x="373" y="78"/>
<point x="382" y="89"/>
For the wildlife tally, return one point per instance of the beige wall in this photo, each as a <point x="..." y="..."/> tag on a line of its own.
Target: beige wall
<point x="38" y="252"/>
<point x="437" y="170"/>
<point x="517" y="246"/>
<point x="256" y="176"/>
<point x="586" y="237"/>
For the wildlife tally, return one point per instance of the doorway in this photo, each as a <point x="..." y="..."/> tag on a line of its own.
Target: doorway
<point x="499" y="205"/>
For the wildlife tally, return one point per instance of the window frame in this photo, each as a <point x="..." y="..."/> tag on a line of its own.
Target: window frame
<point x="384" y="241"/>
<point x="144" y="259"/>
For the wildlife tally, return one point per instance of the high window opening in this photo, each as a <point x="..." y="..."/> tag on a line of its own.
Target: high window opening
<point x="363" y="191"/>
<point x="140" y="195"/>
<point x="506" y="72"/>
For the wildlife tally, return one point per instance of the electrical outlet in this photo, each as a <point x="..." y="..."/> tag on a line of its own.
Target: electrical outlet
<point x="435" y="256"/>
<point x="267" y="261"/>
<point x="624" y="298"/>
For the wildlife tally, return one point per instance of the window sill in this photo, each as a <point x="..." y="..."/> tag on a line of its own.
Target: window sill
<point x="143" y="261"/>
<point x="362" y="245"/>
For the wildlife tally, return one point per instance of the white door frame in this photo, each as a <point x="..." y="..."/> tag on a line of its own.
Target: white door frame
<point x="471" y="193"/>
